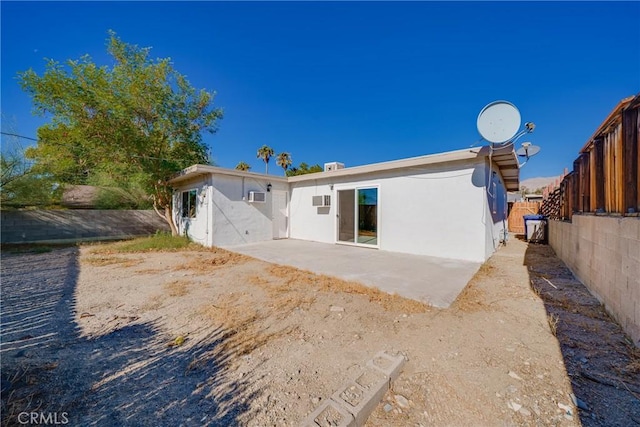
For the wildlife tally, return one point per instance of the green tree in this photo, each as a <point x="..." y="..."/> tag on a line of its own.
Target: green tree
<point x="31" y="190"/>
<point x="265" y="153"/>
<point x="243" y="166"/>
<point x="130" y="125"/>
<point x="304" y="169"/>
<point x="19" y="185"/>
<point x="284" y="161"/>
<point x="13" y="166"/>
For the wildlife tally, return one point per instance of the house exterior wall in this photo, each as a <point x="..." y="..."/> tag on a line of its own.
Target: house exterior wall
<point x="441" y="209"/>
<point x="437" y="210"/>
<point x="495" y="217"/>
<point x="308" y="222"/>
<point x="604" y="254"/>
<point x="224" y="217"/>
<point x="196" y="228"/>
<point x="235" y="220"/>
<point x="434" y="213"/>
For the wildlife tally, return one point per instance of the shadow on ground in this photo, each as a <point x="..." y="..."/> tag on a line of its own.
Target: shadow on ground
<point x="601" y="361"/>
<point x="127" y="377"/>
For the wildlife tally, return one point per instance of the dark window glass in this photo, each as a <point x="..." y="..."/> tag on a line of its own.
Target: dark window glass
<point x="189" y="204"/>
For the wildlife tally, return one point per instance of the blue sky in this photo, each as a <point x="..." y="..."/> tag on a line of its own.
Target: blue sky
<point x="357" y="82"/>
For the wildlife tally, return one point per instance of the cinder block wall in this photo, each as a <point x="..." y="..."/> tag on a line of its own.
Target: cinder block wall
<point x="75" y="225"/>
<point x="604" y="254"/>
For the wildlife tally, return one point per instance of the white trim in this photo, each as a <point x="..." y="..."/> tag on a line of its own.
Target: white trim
<point x="195" y="170"/>
<point x="505" y="159"/>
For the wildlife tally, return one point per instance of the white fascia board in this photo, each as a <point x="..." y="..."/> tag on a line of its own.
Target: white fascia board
<point x="195" y="170"/>
<point x="412" y="162"/>
<point x="504" y="157"/>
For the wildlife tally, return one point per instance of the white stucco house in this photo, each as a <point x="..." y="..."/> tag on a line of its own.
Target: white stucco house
<point x="450" y="205"/>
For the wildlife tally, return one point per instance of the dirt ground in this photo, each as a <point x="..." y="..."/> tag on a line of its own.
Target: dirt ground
<point x="213" y="338"/>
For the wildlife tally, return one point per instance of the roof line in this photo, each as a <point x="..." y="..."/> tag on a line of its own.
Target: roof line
<point x="450" y="156"/>
<point x="505" y="159"/>
<point x="196" y="170"/>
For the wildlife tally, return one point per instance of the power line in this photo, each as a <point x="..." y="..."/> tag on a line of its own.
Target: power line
<point x="19" y="136"/>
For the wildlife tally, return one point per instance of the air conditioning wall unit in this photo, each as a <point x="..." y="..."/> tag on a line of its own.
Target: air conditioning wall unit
<point x="328" y="167"/>
<point x="257" y="197"/>
<point x="321" y="201"/>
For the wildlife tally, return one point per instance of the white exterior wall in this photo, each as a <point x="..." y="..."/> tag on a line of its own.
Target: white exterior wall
<point x="496" y="211"/>
<point x="436" y="213"/>
<point x="235" y="220"/>
<point x="196" y="228"/>
<point x="438" y="210"/>
<point x="308" y="222"/>
<point x="441" y="210"/>
<point x="224" y="217"/>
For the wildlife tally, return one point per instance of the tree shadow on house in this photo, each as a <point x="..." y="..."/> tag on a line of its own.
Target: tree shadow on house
<point x="601" y="361"/>
<point x="126" y="377"/>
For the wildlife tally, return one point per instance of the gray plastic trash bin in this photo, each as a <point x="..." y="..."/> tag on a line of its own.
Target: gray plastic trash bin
<point x="535" y="228"/>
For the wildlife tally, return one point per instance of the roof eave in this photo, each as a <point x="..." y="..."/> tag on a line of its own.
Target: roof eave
<point x="505" y="159"/>
<point x="198" y="170"/>
<point x="451" y="156"/>
<point x="507" y="162"/>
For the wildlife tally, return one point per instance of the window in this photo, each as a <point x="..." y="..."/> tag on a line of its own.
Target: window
<point x="495" y="199"/>
<point x="189" y="204"/>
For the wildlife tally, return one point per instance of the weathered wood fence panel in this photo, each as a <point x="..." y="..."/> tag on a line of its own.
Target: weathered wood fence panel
<point x="605" y="177"/>
<point x="518" y="211"/>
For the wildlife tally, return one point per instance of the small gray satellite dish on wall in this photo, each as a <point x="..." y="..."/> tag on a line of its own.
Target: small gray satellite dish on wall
<point x="498" y="122"/>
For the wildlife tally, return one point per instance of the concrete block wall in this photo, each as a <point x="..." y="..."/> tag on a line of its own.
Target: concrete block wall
<point x="351" y="405"/>
<point x="33" y="226"/>
<point x="604" y="254"/>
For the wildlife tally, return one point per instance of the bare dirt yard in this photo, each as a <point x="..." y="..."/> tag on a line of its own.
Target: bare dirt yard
<point x="210" y="337"/>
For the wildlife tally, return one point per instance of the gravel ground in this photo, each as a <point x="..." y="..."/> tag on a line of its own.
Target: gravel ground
<point x="601" y="361"/>
<point x="126" y="376"/>
<point x="216" y="338"/>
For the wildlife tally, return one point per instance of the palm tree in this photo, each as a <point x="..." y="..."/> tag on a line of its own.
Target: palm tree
<point x="243" y="166"/>
<point x="265" y="154"/>
<point x="284" y="161"/>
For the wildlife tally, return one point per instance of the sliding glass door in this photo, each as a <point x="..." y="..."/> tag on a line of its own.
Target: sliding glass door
<point x="367" y="216"/>
<point x="358" y="216"/>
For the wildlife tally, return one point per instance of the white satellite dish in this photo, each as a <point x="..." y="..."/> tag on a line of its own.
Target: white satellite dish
<point x="498" y="122"/>
<point x="528" y="150"/>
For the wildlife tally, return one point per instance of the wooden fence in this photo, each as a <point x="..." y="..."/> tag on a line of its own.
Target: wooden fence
<point x="516" y="213"/>
<point x="605" y="177"/>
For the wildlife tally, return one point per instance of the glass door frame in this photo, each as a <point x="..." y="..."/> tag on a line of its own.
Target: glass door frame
<point x="356" y="215"/>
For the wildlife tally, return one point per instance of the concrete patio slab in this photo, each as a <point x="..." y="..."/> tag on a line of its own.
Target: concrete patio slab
<point x="436" y="281"/>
